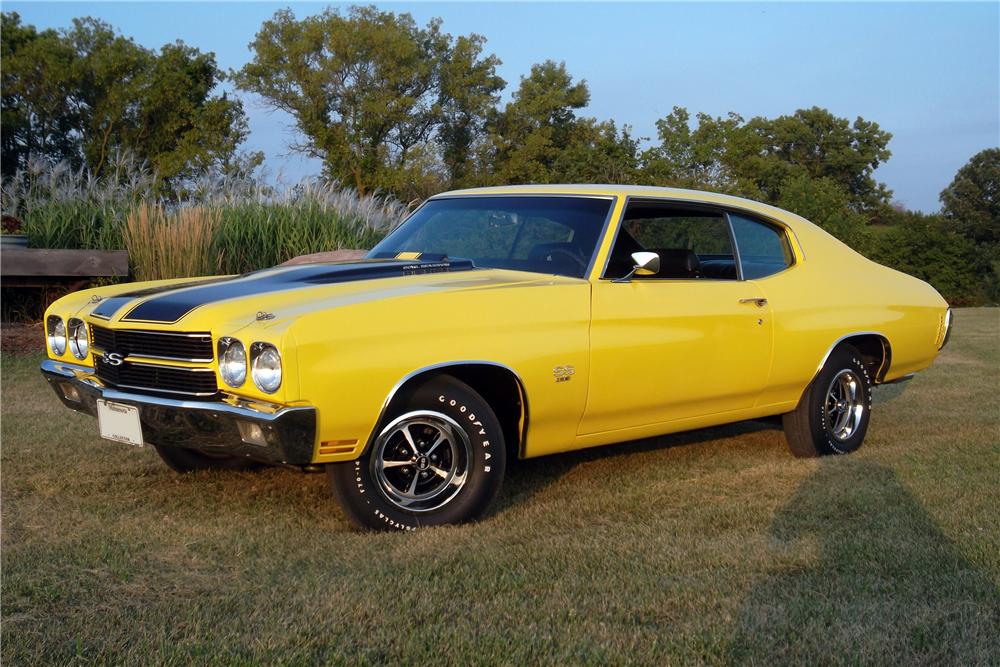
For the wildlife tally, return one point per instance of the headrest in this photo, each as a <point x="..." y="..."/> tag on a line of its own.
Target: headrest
<point x="677" y="263"/>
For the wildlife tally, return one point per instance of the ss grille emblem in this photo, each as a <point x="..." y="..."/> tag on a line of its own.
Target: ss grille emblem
<point x="113" y="359"/>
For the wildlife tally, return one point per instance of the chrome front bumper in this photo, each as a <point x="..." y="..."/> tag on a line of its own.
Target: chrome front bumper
<point x="259" y="431"/>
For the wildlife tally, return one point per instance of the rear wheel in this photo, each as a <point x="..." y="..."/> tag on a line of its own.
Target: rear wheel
<point x="439" y="458"/>
<point x="188" y="460"/>
<point x="833" y="414"/>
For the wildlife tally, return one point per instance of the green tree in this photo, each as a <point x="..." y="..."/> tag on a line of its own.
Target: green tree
<point x="538" y="138"/>
<point x="824" y="202"/>
<point x="815" y="143"/>
<point x="87" y="94"/>
<point x="924" y="246"/>
<point x="760" y="157"/>
<point x="370" y="90"/>
<point x="972" y="201"/>
<point x="535" y="126"/>
<point x="36" y="105"/>
<point x="598" y="152"/>
<point x="692" y="158"/>
<point x="470" y="92"/>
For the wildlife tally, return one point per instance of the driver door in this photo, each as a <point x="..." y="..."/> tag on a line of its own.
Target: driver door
<point x="689" y="341"/>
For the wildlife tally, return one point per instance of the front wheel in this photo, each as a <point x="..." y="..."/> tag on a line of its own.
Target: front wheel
<point x="833" y="414"/>
<point x="439" y="458"/>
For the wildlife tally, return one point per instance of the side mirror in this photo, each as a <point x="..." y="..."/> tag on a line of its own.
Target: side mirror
<point x="646" y="264"/>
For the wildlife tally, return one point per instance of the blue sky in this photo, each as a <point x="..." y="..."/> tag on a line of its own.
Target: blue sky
<point x="928" y="73"/>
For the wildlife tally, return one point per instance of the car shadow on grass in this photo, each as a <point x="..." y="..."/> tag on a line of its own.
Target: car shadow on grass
<point x="859" y="573"/>
<point x="527" y="478"/>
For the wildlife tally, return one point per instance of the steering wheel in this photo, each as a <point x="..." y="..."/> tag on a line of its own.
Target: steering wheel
<point x="576" y="258"/>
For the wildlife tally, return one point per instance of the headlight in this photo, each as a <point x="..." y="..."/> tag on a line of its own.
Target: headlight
<point x="56" y="332"/>
<point x="78" y="341"/>
<point x="232" y="361"/>
<point x="265" y="365"/>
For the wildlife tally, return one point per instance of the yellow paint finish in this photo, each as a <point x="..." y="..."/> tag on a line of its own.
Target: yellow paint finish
<point x="685" y="337"/>
<point x="649" y="356"/>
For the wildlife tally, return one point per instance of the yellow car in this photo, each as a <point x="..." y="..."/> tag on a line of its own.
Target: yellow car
<point x="498" y="323"/>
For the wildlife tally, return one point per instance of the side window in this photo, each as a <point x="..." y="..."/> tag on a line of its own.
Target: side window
<point x="764" y="249"/>
<point x="692" y="244"/>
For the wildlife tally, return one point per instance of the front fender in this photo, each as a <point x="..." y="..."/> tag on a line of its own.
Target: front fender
<point x="353" y="359"/>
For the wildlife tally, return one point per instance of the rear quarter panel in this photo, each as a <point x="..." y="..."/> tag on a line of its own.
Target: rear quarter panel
<point x="835" y="292"/>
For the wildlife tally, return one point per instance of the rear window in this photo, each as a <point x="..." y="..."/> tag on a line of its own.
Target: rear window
<point x="763" y="249"/>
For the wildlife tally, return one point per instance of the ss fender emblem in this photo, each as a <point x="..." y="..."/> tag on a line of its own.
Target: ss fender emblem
<point x="113" y="359"/>
<point x="563" y="373"/>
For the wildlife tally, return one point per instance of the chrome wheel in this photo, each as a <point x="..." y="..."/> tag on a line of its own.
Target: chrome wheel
<point x="421" y="460"/>
<point x="845" y="405"/>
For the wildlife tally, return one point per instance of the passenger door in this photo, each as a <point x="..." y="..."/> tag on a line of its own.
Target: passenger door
<point x="692" y="340"/>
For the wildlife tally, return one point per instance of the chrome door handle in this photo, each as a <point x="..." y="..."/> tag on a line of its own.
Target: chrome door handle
<point x="760" y="301"/>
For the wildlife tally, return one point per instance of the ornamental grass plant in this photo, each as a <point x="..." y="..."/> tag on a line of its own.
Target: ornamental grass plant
<point x="177" y="244"/>
<point x="214" y="225"/>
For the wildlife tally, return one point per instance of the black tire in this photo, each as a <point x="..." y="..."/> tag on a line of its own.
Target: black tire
<point x="184" y="460"/>
<point x="813" y="428"/>
<point x="395" y="485"/>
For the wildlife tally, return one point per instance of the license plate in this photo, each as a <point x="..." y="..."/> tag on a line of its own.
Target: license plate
<point x="119" y="422"/>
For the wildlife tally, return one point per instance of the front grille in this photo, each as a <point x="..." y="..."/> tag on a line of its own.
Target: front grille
<point x="154" y="344"/>
<point x="155" y="378"/>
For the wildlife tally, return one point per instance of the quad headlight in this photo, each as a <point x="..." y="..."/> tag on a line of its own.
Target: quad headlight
<point x="265" y="364"/>
<point x="55" y="331"/>
<point x="79" y="342"/>
<point x="232" y="361"/>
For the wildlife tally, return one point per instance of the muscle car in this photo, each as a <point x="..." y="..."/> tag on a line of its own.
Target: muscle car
<point x="495" y="324"/>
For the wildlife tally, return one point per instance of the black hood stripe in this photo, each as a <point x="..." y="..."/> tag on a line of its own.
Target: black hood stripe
<point x="170" y="305"/>
<point x="107" y="308"/>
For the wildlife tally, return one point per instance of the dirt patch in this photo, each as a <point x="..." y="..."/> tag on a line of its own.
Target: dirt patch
<point x="20" y="338"/>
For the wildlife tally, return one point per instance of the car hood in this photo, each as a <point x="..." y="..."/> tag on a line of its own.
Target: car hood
<point x="282" y="293"/>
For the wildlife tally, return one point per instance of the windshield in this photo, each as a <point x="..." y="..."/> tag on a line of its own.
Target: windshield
<point x="556" y="235"/>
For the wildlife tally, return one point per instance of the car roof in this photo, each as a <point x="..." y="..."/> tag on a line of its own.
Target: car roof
<point x="581" y="189"/>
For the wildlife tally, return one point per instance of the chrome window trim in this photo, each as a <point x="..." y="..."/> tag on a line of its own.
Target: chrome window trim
<point x="736" y="247"/>
<point x="613" y="198"/>
<point x="725" y="217"/>
<point x="447" y="364"/>
<point x="725" y="209"/>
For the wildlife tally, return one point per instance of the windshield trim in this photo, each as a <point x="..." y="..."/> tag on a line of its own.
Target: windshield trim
<point x="602" y="234"/>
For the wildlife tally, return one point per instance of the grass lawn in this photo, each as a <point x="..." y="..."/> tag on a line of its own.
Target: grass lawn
<point x="708" y="547"/>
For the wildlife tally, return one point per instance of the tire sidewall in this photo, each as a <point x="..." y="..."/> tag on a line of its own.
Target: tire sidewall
<point x="365" y="501"/>
<point x="843" y="358"/>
